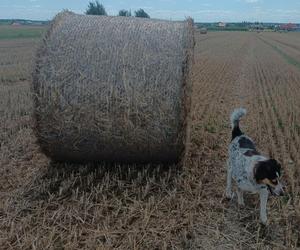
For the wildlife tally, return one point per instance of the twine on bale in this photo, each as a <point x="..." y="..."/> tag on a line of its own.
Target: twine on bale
<point x="113" y="89"/>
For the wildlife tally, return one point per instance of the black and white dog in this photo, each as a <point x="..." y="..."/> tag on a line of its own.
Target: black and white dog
<point x="251" y="171"/>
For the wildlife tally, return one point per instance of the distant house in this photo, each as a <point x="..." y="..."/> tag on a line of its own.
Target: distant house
<point x="221" y="25"/>
<point x="256" y="27"/>
<point x="288" y="27"/>
<point x="16" y="23"/>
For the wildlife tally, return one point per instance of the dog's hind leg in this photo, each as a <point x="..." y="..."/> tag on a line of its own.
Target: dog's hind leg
<point x="229" y="193"/>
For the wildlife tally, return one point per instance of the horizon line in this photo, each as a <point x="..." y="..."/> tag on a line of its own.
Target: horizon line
<point x="168" y="19"/>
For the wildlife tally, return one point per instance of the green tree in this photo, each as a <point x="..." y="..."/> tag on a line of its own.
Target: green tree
<point x="95" y="8"/>
<point x="141" y="13"/>
<point x="124" y="13"/>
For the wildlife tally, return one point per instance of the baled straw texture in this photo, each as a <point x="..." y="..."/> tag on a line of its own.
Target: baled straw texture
<point x="114" y="89"/>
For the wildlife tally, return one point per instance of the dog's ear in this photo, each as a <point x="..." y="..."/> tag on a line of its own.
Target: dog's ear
<point x="267" y="169"/>
<point x="275" y="165"/>
<point x="261" y="171"/>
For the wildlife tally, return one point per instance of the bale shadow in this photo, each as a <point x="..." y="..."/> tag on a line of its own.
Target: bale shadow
<point x="63" y="180"/>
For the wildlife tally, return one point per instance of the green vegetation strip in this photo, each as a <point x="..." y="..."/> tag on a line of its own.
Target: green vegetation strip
<point x="9" y="32"/>
<point x="288" y="58"/>
<point x="227" y="29"/>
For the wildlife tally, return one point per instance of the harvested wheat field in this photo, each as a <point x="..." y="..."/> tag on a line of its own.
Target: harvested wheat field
<point x="62" y="206"/>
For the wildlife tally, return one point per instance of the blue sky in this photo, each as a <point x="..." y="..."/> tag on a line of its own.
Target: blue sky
<point x="200" y="10"/>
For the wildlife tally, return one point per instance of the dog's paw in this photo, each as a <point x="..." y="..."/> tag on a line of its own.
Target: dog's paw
<point x="264" y="221"/>
<point x="241" y="204"/>
<point x="229" y="195"/>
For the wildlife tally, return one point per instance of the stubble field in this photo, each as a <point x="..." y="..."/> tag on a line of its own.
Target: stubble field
<point x="52" y="206"/>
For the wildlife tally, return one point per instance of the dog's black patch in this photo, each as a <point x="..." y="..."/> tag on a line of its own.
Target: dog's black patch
<point x="251" y="153"/>
<point x="246" y="143"/>
<point x="267" y="169"/>
<point x="236" y="132"/>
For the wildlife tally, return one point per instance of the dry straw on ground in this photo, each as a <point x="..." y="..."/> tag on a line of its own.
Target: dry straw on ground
<point x="113" y="89"/>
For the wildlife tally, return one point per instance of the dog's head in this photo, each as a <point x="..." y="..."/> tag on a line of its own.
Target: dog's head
<point x="268" y="173"/>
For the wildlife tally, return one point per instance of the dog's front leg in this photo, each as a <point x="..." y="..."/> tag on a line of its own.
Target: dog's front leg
<point x="240" y="197"/>
<point x="263" y="195"/>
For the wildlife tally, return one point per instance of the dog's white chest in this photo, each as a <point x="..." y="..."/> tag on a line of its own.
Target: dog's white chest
<point x="247" y="185"/>
<point x="242" y="172"/>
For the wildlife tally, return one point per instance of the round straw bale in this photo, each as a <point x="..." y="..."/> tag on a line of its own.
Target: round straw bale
<point x="113" y="89"/>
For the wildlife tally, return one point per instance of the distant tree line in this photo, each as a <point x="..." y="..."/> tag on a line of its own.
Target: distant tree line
<point x="125" y="13"/>
<point x="96" y="8"/>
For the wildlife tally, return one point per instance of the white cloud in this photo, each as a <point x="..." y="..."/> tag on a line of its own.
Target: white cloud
<point x="206" y="11"/>
<point x="17" y="6"/>
<point x="206" y="4"/>
<point x="198" y="15"/>
<point x="214" y="15"/>
<point x="250" y="1"/>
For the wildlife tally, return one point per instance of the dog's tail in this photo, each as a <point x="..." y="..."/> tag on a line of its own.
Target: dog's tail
<point x="235" y="117"/>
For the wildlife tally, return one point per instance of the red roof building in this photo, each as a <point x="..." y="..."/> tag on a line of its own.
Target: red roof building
<point x="288" y="26"/>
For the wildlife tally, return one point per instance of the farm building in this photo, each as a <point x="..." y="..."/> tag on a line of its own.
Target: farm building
<point x="16" y="23"/>
<point x="221" y="24"/>
<point x="288" y="27"/>
<point x="256" y="27"/>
